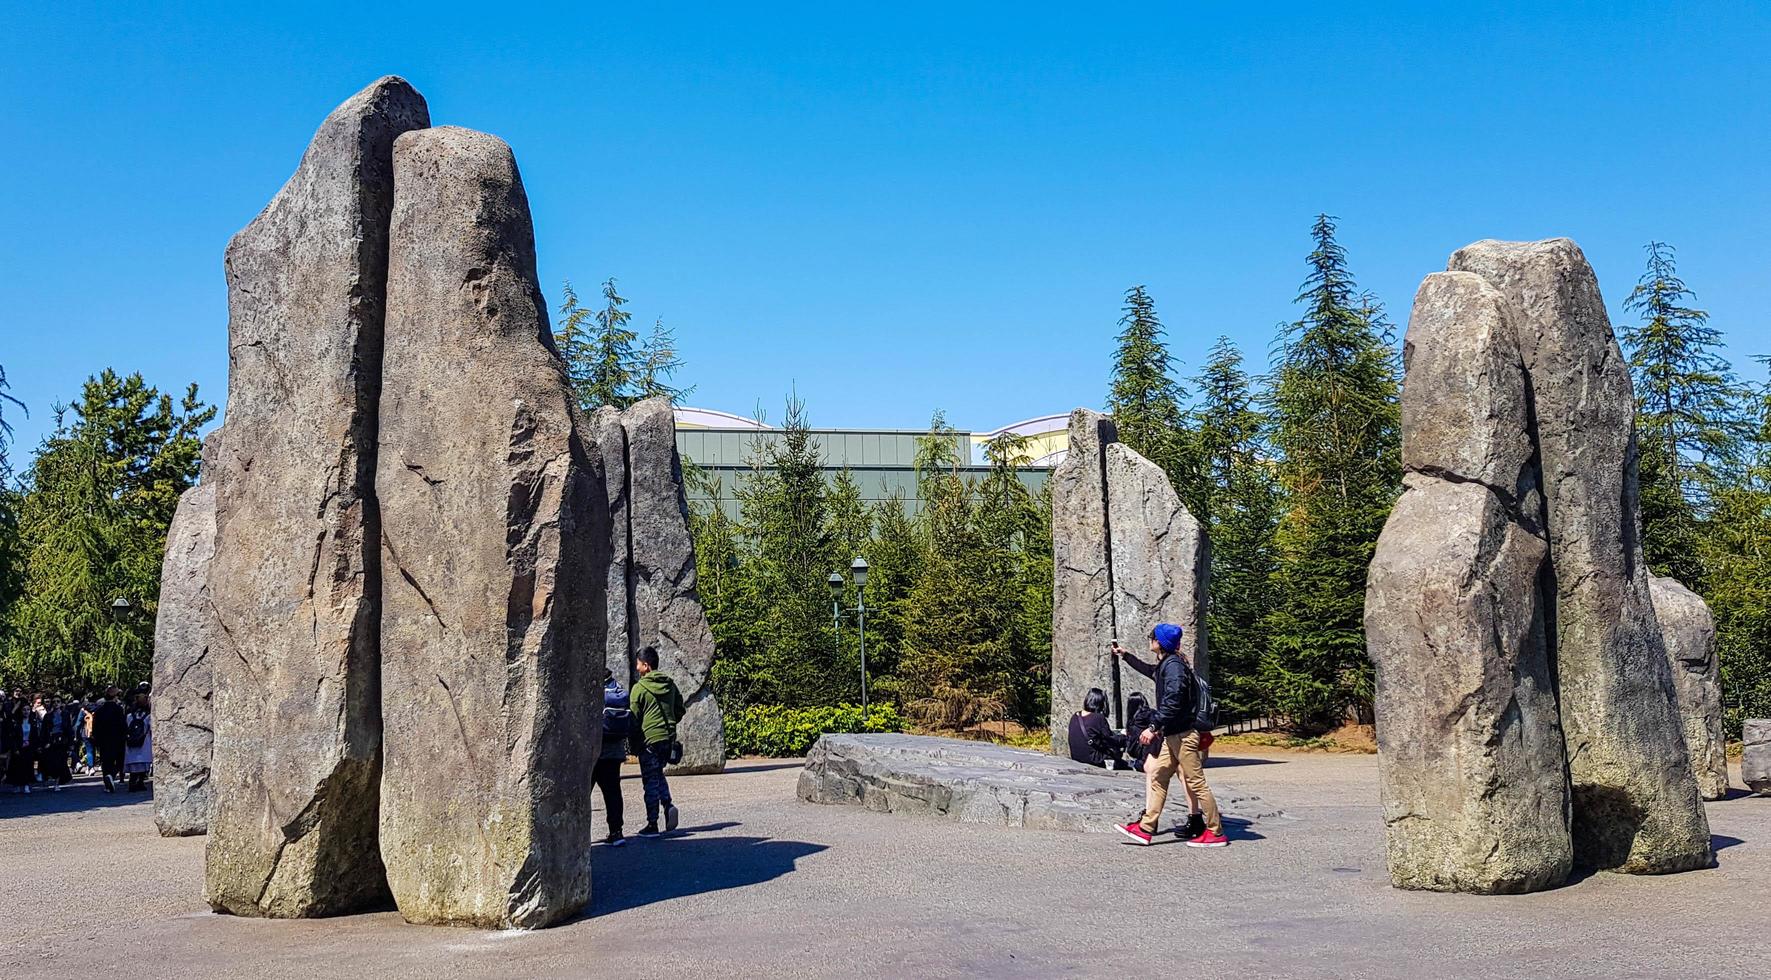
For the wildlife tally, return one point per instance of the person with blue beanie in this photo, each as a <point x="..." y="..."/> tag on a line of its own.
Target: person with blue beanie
<point x="1176" y="739"/>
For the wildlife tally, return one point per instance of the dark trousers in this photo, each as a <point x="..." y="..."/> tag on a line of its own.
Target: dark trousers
<point x="54" y="763"/>
<point x="607" y="776"/>
<point x="653" y="759"/>
<point x="110" y="757"/>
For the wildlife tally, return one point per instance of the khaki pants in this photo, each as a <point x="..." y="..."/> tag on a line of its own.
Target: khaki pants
<point x="1179" y="753"/>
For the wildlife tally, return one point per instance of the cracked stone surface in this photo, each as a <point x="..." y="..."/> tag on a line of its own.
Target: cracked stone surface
<point x="664" y="606"/>
<point x="494" y="562"/>
<point x="1690" y="633"/>
<point x="1635" y="799"/>
<point x="294" y="579"/>
<point x="1755" y="759"/>
<point x="184" y="716"/>
<point x="983" y="783"/>
<point x="1158" y="567"/>
<point x="1469" y="741"/>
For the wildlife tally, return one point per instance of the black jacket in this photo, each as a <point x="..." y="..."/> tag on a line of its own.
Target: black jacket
<point x="1175" y="707"/>
<point x="109" y="725"/>
<point x="1093" y="741"/>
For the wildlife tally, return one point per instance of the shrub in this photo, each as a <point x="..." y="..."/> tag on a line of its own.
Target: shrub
<point x="771" y="730"/>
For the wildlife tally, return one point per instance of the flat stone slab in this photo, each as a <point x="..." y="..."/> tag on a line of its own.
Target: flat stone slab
<point x="980" y="782"/>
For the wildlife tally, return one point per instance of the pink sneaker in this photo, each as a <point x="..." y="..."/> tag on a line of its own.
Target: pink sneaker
<point x="1135" y="831"/>
<point x="1210" y="838"/>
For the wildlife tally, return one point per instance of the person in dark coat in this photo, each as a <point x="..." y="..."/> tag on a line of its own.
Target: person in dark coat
<point x="1176" y="737"/>
<point x="617" y="720"/>
<point x="1092" y="739"/>
<point x="18" y="736"/>
<point x="109" y="730"/>
<point x="1137" y="720"/>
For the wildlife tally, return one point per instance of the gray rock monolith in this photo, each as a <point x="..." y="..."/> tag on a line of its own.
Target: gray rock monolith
<point x="295" y="577"/>
<point x="611" y="439"/>
<point x="666" y="610"/>
<point x="1755" y="756"/>
<point x="1469" y="745"/>
<point x="494" y="558"/>
<point x="1635" y="800"/>
<point x="184" y="628"/>
<point x="1126" y="555"/>
<point x="1689" y="631"/>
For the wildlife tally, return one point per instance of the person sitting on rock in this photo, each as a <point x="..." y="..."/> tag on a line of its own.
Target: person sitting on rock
<point x="657" y="706"/>
<point x="1092" y="739"/>
<point x="1175" y="740"/>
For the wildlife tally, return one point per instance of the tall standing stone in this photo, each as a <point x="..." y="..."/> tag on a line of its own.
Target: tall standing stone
<point x="494" y="558"/>
<point x="1126" y="555"/>
<point x="295" y="577"/>
<point x="1082" y="609"/>
<point x="1469" y="743"/>
<point x="611" y="439"/>
<point x="1690" y="634"/>
<point x="665" y="608"/>
<point x="184" y="630"/>
<point x="1635" y="801"/>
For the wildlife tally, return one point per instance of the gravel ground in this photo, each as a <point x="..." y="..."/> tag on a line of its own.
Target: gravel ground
<point x="757" y="883"/>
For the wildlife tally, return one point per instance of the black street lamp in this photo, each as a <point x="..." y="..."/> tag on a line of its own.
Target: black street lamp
<point x="119" y="607"/>
<point x="858" y="570"/>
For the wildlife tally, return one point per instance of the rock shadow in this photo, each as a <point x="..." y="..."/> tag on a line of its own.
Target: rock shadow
<point x="647" y="871"/>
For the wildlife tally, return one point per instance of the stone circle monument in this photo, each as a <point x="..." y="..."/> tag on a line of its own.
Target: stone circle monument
<point x="1508" y="610"/>
<point x="392" y="595"/>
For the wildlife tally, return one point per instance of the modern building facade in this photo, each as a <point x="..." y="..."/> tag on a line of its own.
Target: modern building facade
<point x="881" y="461"/>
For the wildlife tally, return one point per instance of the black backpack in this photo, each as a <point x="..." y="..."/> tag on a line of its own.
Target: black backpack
<point x="1205" y="710"/>
<point x="138" y="730"/>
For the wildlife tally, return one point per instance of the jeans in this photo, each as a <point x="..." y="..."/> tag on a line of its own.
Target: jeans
<point x="653" y="759"/>
<point x="1178" y="753"/>
<point x="607" y="776"/>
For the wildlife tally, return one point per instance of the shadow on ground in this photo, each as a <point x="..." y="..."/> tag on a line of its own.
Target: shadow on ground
<point x="1223" y="762"/>
<point x="690" y="861"/>
<point x="84" y="793"/>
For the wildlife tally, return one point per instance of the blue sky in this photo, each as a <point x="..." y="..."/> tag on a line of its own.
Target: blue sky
<point x="897" y="207"/>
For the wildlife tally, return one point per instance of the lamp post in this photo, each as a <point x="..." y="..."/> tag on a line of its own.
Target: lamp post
<point x="119" y="606"/>
<point x="857" y="570"/>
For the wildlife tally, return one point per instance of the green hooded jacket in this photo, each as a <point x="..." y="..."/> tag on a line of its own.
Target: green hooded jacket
<point x="658" y="706"/>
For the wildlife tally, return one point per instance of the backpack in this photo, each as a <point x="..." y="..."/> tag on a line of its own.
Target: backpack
<point x="1205" y="711"/>
<point x="138" y="731"/>
<point x="617" y="718"/>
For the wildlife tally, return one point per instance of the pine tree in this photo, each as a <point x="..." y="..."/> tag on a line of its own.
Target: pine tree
<point x="6" y="426"/>
<point x="92" y="525"/>
<point x="658" y="362"/>
<point x="1145" y="399"/>
<point x="601" y="361"/>
<point x="1333" y="399"/>
<point x="1688" y="421"/>
<point x="894" y="557"/>
<point x="1735" y="552"/>
<point x="1242" y="509"/>
<point x="782" y="613"/>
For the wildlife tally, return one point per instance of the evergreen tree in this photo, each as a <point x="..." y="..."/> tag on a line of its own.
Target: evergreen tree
<point x="1688" y="421"/>
<point x="1242" y="509"/>
<point x="781" y="612"/>
<point x="572" y="338"/>
<point x="92" y="527"/>
<point x="1145" y="399"/>
<point x="658" y="362"/>
<point x="894" y="557"/>
<point x="1735" y="549"/>
<point x="1336" y="422"/>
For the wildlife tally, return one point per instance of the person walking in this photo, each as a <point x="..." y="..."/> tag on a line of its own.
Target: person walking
<point x="18" y="736"/>
<point x="606" y="774"/>
<point x="1175" y="741"/>
<point x="52" y="751"/>
<point x="138" y="744"/>
<point x="109" y="732"/>
<point x="88" y="756"/>
<point x="657" y="706"/>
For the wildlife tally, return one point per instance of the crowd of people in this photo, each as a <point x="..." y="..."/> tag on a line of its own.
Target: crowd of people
<point x="48" y="739"/>
<point x="1172" y="736"/>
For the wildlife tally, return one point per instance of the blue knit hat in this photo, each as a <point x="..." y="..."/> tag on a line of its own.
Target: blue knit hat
<point x="1167" y="636"/>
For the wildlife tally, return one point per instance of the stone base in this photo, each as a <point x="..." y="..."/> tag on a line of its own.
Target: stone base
<point x="980" y="782"/>
<point x="1755" y="760"/>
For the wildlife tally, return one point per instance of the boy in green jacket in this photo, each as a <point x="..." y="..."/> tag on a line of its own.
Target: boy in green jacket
<point x="658" y="706"/>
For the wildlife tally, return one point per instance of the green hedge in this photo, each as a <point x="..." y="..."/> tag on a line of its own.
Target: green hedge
<point x="771" y="730"/>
